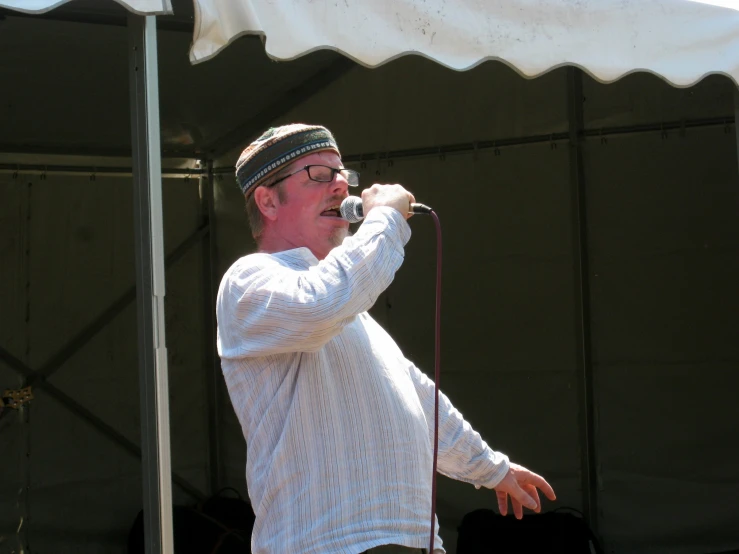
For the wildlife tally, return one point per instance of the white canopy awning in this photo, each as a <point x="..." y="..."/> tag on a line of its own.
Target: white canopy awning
<point x="680" y="40"/>
<point x="142" y="7"/>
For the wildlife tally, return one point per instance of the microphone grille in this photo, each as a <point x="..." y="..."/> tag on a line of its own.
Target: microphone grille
<point x="351" y="209"/>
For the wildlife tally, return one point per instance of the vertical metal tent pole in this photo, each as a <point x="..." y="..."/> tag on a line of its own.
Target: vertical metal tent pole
<point x="149" y="241"/>
<point x="212" y="361"/>
<point x="585" y="388"/>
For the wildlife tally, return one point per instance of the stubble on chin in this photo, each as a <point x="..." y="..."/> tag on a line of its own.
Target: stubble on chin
<point x="338" y="235"/>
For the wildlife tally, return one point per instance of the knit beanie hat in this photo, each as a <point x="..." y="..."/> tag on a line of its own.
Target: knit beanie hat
<point x="276" y="148"/>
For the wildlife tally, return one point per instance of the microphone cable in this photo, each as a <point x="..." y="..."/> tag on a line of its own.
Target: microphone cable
<point x="352" y="210"/>
<point x="437" y="375"/>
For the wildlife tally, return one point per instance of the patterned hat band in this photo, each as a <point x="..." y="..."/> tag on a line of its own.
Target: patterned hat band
<point x="278" y="147"/>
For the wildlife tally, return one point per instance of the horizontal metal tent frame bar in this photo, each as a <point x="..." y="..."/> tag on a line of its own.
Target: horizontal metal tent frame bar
<point x="124" y="171"/>
<point x="553" y="138"/>
<point x="601" y="133"/>
<point x="61" y="150"/>
<point x="69" y="14"/>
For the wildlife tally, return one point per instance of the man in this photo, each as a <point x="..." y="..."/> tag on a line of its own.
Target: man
<point x="338" y="423"/>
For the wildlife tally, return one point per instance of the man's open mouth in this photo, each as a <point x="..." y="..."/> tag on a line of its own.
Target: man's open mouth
<point x="333" y="211"/>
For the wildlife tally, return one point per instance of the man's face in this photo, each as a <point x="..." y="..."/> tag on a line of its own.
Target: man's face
<point x="302" y="219"/>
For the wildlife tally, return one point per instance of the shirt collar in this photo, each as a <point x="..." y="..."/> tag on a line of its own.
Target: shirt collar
<point x="300" y="258"/>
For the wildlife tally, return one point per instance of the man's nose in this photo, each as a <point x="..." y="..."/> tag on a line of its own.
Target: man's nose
<point x="339" y="185"/>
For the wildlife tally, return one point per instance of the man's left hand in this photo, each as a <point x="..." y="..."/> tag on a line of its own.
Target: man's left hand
<point x="523" y="487"/>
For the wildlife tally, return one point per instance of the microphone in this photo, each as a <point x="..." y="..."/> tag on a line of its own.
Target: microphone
<point x="353" y="211"/>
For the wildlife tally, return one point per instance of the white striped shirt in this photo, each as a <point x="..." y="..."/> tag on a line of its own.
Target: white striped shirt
<point x="338" y="423"/>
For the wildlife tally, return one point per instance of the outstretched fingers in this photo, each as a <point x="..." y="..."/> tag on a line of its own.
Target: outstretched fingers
<point x="502" y="502"/>
<point x="519" y="499"/>
<point x="537" y="481"/>
<point x="523" y="486"/>
<point x="533" y="492"/>
<point x="522" y="498"/>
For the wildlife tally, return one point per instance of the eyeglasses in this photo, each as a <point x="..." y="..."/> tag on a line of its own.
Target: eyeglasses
<point x="324" y="174"/>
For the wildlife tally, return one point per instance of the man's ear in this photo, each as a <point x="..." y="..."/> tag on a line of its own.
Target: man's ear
<point x="266" y="200"/>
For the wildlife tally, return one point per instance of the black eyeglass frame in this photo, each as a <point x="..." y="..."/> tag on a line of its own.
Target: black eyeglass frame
<point x="306" y="168"/>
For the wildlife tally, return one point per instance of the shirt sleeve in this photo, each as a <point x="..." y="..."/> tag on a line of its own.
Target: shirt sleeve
<point x="463" y="455"/>
<point x="265" y="307"/>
